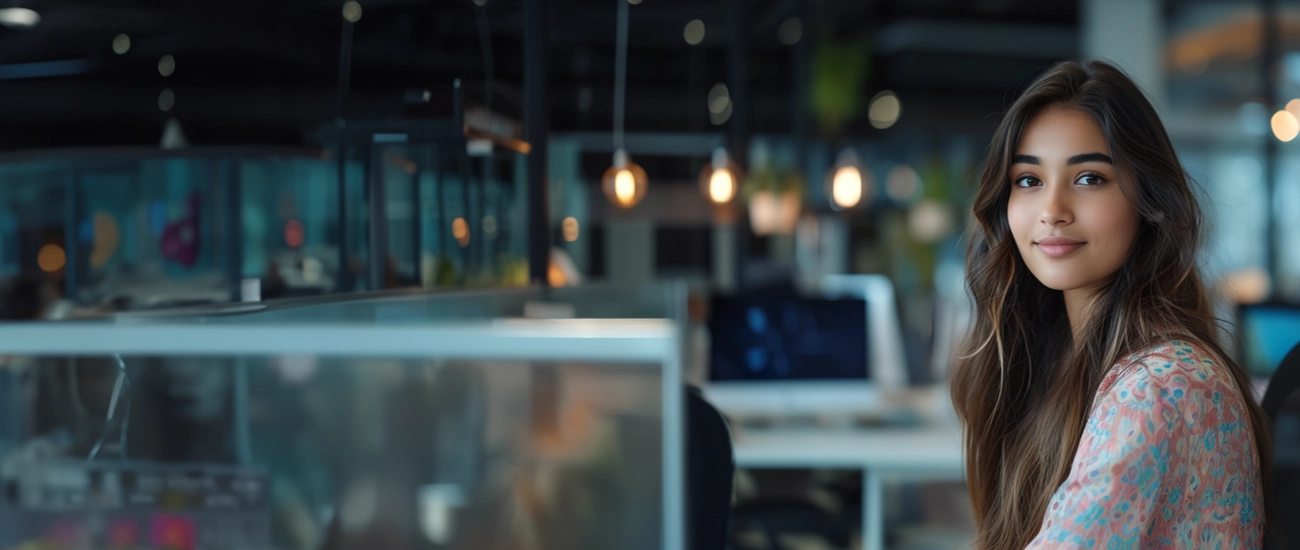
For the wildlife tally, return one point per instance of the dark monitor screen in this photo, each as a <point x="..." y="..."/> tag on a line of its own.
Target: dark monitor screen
<point x="1268" y="333"/>
<point x="787" y="338"/>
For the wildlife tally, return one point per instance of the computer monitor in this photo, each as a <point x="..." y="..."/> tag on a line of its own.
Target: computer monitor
<point x="1268" y="332"/>
<point x="778" y="339"/>
<point x="783" y="355"/>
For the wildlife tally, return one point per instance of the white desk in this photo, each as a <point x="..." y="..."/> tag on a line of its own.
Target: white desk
<point x="923" y="453"/>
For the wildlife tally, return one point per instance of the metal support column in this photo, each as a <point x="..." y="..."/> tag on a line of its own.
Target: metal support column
<point x="1272" y="50"/>
<point x="417" y="224"/>
<point x="71" y="208"/>
<point x="377" y="199"/>
<point x="234" y="223"/>
<point x="535" y="128"/>
<point x="738" y="88"/>
<point x="345" y="283"/>
<point x="345" y="270"/>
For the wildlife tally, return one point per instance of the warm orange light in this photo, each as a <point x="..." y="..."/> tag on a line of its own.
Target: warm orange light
<point x="1191" y="58"/>
<point x="624" y="183"/>
<point x="51" y="258"/>
<point x="1247" y="286"/>
<point x="848" y="182"/>
<point x="720" y="178"/>
<point x="460" y="230"/>
<point x="722" y="187"/>
<point x="570" y="227"/>
<point x="1285" y="125"/>
<point x="555" y="276"/>
<point x="846" y="188"/>
<point x="625" y="187"/>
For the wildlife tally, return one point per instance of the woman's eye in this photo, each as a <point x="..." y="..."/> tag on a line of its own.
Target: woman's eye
<point x="1090" y="179"/>
<point x="1026" y="181"/>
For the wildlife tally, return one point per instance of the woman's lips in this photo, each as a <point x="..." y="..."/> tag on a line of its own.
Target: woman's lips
<point x="1056" y="247"/>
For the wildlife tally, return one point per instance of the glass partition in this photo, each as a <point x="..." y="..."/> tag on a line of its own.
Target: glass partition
<point x="131" y="229"/>
<point x="508" y="434"/>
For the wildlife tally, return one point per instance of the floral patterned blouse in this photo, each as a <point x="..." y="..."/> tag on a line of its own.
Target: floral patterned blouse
<point x="1167" y="460"/>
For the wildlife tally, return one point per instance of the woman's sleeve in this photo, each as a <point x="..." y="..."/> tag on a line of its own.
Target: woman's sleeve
<point x="1165" y="454"/>
<point x="1118" y="471"/>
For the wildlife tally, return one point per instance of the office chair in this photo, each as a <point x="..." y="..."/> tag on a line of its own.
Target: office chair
<point x="710" y="469"/>
<point x="1284" y="382"/>
<point x="775" y="516"/>
<point x="1286" y="446"/>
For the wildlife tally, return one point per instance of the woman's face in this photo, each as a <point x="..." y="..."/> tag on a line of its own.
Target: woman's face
<point x="1071" y="221"/>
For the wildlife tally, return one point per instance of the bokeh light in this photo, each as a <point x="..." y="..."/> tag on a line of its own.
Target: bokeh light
<point x="352" y="12"/>
<point x="1191" y="58"/>
<point x="121" y="44"/>
<point x="846" y="188"/>
<point x="722" y="186"/>
<point x="625" y="182"/>
<point x="791" y="31"/>
<point x="166" y="65"/>
<point x="51" y="258"/>
<point x="902" y="183"/>
<point x="19" y="17"/>
<point x="1285" y="125"/>
<point x="719" y="104"/>
<point x="884" y="110"/>
<point x="570" y="229"/>
<point x="460" y="231"/>
<point x="694" y="32"/>
<point x="167" y="100"/>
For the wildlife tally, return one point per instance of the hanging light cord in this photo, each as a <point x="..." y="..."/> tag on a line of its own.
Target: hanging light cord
<point x="620" y="73"/>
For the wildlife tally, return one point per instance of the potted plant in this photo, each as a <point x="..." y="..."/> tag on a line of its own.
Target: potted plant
<point x="775" y="198"/>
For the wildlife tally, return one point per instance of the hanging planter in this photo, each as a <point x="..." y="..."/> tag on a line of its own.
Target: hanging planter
<point x="775" y="200"/>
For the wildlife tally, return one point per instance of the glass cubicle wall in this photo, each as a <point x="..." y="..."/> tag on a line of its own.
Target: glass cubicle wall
<point x="451" y="219"/>
<point x="145" y="228"/>
<point x="245" y="431"/>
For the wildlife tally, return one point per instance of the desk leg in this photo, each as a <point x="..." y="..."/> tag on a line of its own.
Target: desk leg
<point x="873" y="511"/>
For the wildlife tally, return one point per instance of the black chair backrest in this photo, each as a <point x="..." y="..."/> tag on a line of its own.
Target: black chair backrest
<point x="1281" y="411"/>
<point x="1284" y="382"/>
<point x="710" y="469"/>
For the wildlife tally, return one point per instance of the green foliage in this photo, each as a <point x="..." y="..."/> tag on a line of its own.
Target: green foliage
<point x="839" y="71"/>
<point x="774" y="179"/>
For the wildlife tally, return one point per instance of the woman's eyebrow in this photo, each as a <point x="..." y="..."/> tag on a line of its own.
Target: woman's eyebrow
<point x="1076" y="159"/>
<point x="1089" y="157"/>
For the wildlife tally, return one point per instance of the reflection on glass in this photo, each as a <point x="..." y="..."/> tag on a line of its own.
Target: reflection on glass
<point x="149" y="228"/>
<point x="309" y="452"/>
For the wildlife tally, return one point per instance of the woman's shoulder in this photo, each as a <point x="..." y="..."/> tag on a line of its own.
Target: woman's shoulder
<point x="1174" y="372"/>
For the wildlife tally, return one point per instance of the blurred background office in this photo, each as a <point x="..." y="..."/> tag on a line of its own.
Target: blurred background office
<point x="792" y="163"/>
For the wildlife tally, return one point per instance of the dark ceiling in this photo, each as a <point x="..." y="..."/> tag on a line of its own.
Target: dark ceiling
<point x="266" y="71"/>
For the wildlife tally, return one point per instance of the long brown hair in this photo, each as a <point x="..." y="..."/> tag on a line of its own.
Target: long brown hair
<point x="1023" y="387"/>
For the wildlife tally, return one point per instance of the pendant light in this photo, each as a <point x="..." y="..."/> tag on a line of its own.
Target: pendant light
<point x="625" y="182"/>
<point x="720" y="179"/>
<point x="847" y="184"/>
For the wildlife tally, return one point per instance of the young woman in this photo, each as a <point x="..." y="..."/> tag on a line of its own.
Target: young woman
<point x="1098" y="409"/>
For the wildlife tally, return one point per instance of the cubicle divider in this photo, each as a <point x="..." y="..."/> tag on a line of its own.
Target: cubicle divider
<point x="416" y="421"/>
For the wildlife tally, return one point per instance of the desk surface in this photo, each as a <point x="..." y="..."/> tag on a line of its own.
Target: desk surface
<point x="930" y="450"/>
